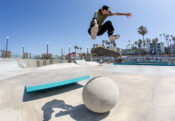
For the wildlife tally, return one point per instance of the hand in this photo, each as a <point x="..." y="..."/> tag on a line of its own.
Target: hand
<point x="96" y="25"/>
<point x="128" y="15"/>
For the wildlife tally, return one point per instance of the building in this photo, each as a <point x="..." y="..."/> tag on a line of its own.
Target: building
<point x="5" y="54"/>
<point x="46" y="55"/>
<point x="172" y="48"/>
<point x="158" y="49"/>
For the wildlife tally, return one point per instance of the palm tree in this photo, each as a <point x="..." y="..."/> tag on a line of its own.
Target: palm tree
<point x="139" y="45"/>
<point x="167" y="38"/>
<point x="134" y="49"/>
<point x="113" y="44"/>
<point x="80" y="49"/>
<point x="155" y="41"/>
<point x="136" y="44"/>
<point x="148" y="41"/>
<point x="171" y="46"/>
<point x="164" y="40"/>
<point x="144" y="43"/>
<point x="129" y="43"/>
<point x="142" y="30"/>
<point x="170" y="41"/>
<point x="75" y="47"/>
<point x="173" y="38"/>
<point x="161" y="37"/>
<point x="107" y="43"/>
<point x="103" y="42"/>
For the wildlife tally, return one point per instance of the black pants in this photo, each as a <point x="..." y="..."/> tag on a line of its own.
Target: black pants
<point x="107" y="26"/>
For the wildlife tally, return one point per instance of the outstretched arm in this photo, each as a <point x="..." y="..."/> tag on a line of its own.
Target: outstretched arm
<point x="124" y="14"/>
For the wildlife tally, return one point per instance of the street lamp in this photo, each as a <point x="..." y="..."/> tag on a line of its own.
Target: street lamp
<point x="87" y="50"/>
<point x="61" y="51"/>
<point x="47" y="43"/>
<point x="129" y="46"/>
<point x="69" y="46"/>
<point x="23" y="50"/>
<point x="7" y="38"/>
<point x="69" y="51"/>
<point x="87" y="54"/>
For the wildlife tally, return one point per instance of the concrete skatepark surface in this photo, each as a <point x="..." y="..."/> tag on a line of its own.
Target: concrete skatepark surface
<point x="83" y="62"/>
<point x="147" y="93"/>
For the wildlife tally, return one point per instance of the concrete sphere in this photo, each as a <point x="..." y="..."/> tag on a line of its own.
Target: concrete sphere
<point x="100" y="94"/>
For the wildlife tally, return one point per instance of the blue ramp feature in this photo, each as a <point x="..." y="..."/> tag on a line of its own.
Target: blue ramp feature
<point x="55" y="84"/>
<point x="145" y="63"/>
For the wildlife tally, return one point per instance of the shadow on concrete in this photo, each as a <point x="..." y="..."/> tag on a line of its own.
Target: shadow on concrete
<point x="49" y="92"/>
<point x="78" y="113"/>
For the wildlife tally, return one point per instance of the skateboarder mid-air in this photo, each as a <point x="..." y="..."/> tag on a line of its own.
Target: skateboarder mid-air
<point x="97" y="27"/>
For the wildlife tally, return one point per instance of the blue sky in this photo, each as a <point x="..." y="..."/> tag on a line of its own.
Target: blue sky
<point x="65" y="22"/>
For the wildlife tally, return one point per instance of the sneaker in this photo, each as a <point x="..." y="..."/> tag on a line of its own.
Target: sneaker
<point x="94" y="31"/>
<point x="114" y="37"/>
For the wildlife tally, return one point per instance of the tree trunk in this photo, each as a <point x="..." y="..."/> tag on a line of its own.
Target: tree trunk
<point x="143" y="41"/>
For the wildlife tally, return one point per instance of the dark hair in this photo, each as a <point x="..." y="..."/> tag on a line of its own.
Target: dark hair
<point x="106" y="7"/>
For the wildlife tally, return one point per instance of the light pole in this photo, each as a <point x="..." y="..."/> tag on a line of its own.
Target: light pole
<point x="69" y="48"/>
<point x="69" y="51"/>
<point x="129" y="46"/>
<point x="7" y="38"/>
<point x="87" y="54"/>
<point x="23" y="50"/>
<point x="64" y="52"/>
<point x="61" y="52"/>
<point x="47" y="43"/>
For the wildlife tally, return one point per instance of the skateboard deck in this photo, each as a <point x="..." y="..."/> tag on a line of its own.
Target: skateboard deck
<point x="101" y="51"/>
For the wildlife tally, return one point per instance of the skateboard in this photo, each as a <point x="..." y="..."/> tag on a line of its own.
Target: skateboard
<point x="101" y="51"/>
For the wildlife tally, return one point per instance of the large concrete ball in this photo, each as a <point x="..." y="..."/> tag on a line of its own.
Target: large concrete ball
<point x="100" y="94"/>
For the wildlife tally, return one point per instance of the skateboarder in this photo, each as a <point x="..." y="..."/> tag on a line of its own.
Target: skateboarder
<point x="97" y="27"/>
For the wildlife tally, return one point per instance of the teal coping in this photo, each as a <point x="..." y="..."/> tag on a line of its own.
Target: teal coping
<point x="55" y="84"/>
<point x="152" y="64"/>
<point x="157" y="62"/>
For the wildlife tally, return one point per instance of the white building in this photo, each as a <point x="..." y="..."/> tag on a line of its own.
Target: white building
<point x="172" y="48"/>
<point x="158" y="49"/>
